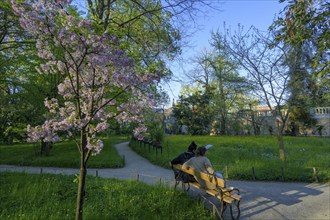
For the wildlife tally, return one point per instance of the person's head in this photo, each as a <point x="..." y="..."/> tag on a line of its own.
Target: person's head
<point x="201" y="151"/>
<point x="192" y="147"/>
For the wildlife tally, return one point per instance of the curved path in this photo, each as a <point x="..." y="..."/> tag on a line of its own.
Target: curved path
<point x="260" y="200"/>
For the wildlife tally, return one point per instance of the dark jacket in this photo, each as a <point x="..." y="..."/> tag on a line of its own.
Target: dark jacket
<point x="179" y="175"/>
<point x="183" y="157"/>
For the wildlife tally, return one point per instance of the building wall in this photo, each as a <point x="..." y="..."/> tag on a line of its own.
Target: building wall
<point x="321" y="114"/>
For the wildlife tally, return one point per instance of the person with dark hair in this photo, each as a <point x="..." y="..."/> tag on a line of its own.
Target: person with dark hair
<point x="201" y="163"/>
<point x="183" y="157"/>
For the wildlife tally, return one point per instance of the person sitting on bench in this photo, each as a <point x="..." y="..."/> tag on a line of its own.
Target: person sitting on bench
<point x="183" y="157"/>
<point x="201" y="163"/>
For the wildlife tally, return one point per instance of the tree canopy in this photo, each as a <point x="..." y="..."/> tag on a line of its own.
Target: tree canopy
<point x="307" y="22"/>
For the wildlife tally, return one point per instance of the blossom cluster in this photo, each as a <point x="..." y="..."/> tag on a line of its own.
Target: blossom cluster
<point x="95" y="73"/>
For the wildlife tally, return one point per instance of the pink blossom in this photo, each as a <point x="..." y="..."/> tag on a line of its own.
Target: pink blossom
<point x="101" y="127"/>
<point x="94" y="69"/>
<point x="138" y="132"/>
<point x="94" y="145"/>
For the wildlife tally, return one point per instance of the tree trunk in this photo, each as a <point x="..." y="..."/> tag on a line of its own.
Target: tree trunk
<point x="82" y="177"/>
<point x="281" y="144"/>
<point x="280" y="129"/>
<point x="81" y="189"/>
<point x="223" y="124"/>
<point x="45" y="147"/>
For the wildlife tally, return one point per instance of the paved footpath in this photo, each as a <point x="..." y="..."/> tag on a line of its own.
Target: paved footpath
<point x="260" y="200"/>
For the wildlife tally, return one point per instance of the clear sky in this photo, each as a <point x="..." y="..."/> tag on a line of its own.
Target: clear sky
<point x="259" y="13"/>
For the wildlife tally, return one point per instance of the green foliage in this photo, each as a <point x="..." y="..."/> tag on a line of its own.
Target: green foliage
<point x="22" y="90"/>
<point x="157" y="135"/>
<point x="307" y="22"/>
<point x="209" y="105"/>
<point x="64" y="154"/>
<point x="132" y="21"/>
<point x="46" y="196"/>
<point x="240" y="153"/>
<point x="195" y="112"/>
<point x="154" y="121"/>
<point x="144" y="30"/>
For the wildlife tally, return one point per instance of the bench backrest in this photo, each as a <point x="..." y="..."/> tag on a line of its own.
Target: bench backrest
<point x="204" y="176"/>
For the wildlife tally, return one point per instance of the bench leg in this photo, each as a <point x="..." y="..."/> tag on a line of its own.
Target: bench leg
<point x="184" y="186"/>
<point x="236" y="203"/>
<point x="223" y="208"/>
<point x="176" y="183"/>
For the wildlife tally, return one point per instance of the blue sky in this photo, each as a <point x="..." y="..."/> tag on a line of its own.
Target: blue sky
<point x="259" y="13"/>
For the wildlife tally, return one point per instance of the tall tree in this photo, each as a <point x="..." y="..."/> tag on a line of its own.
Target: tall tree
<point x="218" y="76"/>
<point x="96" y="74"/>
<point x="230" y="86"/>
<point x="303" y="29"/>
<point x="266" y="68"/>
<point x="199" y="94"/>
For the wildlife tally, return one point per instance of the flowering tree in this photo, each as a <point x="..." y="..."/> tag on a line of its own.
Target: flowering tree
<point x="96" y="74"/>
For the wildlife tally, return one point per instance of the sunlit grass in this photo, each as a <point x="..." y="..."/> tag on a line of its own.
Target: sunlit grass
<point x="46" y="196"/>
<point x="254" y="157"/>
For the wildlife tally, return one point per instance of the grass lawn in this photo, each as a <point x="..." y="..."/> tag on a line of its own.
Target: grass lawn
<point x="63" y="154"/>
<point x="254" y="157"/>
<point x="47" y="196"/>
<point x="239" y="157"/>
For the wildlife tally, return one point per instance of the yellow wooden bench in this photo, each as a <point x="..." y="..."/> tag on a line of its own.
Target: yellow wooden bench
<point x="228" y="196"/>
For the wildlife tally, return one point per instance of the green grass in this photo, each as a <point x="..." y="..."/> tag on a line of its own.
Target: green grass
<point x="63" y="154"/>
<point x="237" y="156"/>
<point x="47" y="196"/>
